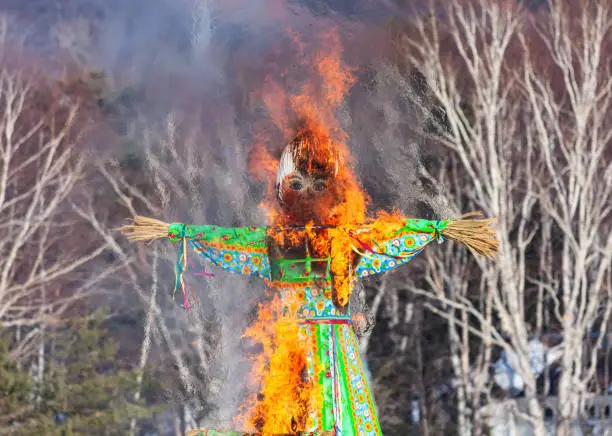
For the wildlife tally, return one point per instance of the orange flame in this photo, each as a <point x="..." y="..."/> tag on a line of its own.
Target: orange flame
<point x="286" y="394"/>
<point x="287" y="398"/>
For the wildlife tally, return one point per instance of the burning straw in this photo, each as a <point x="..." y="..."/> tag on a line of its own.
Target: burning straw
<point x="476" y="234"/>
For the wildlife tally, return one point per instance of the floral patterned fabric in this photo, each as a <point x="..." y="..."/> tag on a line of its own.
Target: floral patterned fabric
<point x="397" y="251"/>
<point x="348" y="408"/>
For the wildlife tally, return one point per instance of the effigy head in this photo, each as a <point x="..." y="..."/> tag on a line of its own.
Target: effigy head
<point x="305" y="182"/>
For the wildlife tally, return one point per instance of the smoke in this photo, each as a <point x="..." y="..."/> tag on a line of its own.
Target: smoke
<point x="185" y="76"/>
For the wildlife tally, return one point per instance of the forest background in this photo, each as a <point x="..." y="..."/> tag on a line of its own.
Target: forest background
<point x="109" y="109"/>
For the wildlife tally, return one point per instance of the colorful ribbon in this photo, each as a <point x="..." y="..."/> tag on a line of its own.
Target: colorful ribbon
<point x="177" y="231"/>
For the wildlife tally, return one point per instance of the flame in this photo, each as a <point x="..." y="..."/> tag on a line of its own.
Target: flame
<point x="286" y="398"/>
<point x="286" y="395"/>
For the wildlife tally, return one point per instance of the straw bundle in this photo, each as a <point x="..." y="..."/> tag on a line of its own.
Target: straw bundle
<point x="145" y="229"/>
<point x="476" y="234"/>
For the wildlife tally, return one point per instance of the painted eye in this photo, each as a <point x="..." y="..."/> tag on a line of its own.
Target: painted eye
<point x="319" y="186"/>
<point x="296" y="185"/>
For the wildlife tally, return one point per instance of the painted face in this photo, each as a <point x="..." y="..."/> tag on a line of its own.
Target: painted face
<point x="306" y="178"/>
<point x="305" y="184"/>
<point x="306" y="198"/>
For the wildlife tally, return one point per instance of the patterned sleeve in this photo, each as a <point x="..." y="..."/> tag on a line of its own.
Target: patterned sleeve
<point x="397" y="246"/>
<point x="241" y="250"/>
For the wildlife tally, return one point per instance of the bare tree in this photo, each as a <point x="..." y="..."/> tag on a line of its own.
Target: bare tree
<point x="191" y="177"/>
<point x="184" y="179"/>
<point x="50" y="261"/>
<point x="450" y="292"/>
<point x="462" y="50"/>
<point x="533" y="150"/>
<point x="571" y="109"/>
<point x="41" y="267"/>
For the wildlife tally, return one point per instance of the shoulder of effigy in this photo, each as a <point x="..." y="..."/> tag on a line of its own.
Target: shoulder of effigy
<point x="251" y="235"/>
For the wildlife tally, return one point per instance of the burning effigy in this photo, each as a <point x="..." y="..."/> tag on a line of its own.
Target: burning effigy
<point x="309" y="373"/>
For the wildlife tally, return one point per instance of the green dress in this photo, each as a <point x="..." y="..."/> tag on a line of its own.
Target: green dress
<point x="305" y="287"/>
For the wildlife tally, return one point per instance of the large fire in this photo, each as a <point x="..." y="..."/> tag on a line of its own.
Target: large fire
<point x="310" y="118"/>
<point x="279" y="375"/>
<point x="287" y="395"/>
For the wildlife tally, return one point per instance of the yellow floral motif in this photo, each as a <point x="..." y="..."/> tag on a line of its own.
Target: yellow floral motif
<point x="227" y="257"/>
<point x="223" y="246"/>
<point x="300" y="295"/>
<point x="320" y="305"/>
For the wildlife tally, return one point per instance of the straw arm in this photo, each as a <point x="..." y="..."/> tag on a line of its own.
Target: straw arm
<point x="477" y="234"/>
<point x="145" y="229"/>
